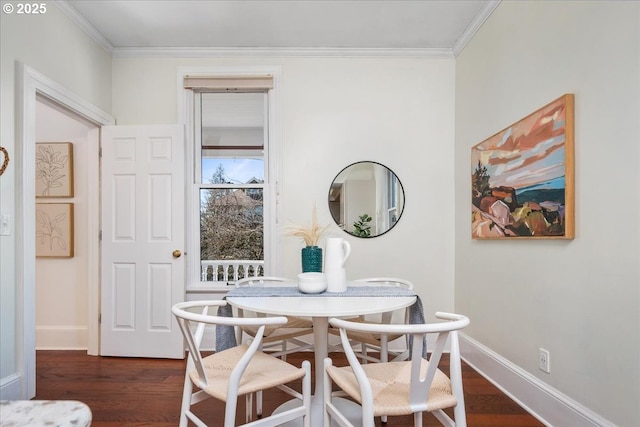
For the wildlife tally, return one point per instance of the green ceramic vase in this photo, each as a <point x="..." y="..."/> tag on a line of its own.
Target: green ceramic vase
<point x="312" y="259"/>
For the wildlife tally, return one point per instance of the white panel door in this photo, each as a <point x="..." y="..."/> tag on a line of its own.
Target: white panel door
<point x="142" y="225"/>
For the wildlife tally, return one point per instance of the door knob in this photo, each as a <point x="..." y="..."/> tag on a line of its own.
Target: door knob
<point x="176" y="253"/>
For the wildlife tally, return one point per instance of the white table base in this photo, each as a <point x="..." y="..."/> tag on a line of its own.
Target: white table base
<point x="350" y="409"/>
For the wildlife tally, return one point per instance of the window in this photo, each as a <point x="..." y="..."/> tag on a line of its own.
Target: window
<point x="232" y="198"/>
<point x="392" y="198"/>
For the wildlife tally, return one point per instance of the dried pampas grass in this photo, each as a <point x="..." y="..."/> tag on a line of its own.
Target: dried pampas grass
<point x="311" y="234"/>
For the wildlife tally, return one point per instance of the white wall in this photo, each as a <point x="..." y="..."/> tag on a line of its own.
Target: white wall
<point x="65" y="281"/>
<point x="578" y="299"/>
<point x="335" y="111"/>
<point x="53" y="46"/>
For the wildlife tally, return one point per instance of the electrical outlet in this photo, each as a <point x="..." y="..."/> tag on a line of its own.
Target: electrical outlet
<point x="544" y="360"/>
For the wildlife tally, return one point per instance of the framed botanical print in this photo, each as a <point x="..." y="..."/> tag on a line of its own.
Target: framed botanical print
<point x="54" y="230"/>
<point x="54" y="169"/>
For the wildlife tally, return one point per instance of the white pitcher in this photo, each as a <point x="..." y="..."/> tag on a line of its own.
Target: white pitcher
<point x="336" y="254"/>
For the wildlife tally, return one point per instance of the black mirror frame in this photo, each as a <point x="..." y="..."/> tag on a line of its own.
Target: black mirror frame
<point x="332" y="191"/>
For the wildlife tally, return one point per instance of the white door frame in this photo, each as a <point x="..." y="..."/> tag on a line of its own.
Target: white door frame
<point x="30" y="84"/>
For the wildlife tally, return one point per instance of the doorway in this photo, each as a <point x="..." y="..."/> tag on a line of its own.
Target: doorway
<point x="66" y="279"/>
<point x="31" y="87"/>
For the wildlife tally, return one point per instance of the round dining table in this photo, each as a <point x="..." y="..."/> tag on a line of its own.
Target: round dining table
<point x="321" y="308"/>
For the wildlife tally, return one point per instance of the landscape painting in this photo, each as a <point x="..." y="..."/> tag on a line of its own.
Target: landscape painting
<point x="522" y="178"/>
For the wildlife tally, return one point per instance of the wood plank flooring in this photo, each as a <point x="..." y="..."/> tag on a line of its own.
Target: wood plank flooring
<point x="137" y="392"/>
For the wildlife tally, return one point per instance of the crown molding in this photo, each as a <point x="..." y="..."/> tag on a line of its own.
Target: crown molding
<point x="84" y="25"/>
<point x="225" y="52"/>
<point x="474" y="26"/>
<point x="283" y="52"/>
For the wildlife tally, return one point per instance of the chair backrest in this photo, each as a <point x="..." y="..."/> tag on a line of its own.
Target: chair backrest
<point x="193" y="316"/>
<point x="261" y="281"/>
<point x="420" y="384"/>
<point x="255" y="281"/>
<point x="384" y="281"/>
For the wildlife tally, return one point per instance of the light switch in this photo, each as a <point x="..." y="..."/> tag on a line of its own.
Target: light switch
<point x="5" y="226"/>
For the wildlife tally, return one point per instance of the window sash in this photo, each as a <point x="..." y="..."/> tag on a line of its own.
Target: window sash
<point x="198" y="185"/>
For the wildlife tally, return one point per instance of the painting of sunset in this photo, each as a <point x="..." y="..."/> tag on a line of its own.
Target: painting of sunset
<point x="522" y="177"/>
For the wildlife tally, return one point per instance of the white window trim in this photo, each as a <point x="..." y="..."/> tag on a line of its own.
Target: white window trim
<point x="273" y="248"/>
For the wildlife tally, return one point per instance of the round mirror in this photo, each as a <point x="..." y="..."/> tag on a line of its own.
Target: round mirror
<point x="366" y="199"/>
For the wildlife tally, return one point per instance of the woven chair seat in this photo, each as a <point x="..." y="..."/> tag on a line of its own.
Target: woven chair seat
<point x="370" y="338"/>
<point x="281" y="334"/>
<point x="295" y="327"/>
<point x="263" y="372"/>
<point x="390" y="386"/>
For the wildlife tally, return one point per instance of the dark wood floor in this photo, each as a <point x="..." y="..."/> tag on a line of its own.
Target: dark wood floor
<point x="147" y="392"/>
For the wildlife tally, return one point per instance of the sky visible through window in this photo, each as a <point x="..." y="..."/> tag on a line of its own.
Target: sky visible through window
<point x="237" y="170"/>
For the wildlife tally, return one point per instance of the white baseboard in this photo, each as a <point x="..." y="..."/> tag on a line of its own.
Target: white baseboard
<point x="551" y="407"/>
<point x="10" y="387"/>
<point x="61" y="337"/>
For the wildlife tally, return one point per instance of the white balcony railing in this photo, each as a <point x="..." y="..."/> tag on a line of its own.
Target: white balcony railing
<point x="230" y="270"/>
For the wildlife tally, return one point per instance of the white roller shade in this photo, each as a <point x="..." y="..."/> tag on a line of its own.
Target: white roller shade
<point x="229" y="83"/>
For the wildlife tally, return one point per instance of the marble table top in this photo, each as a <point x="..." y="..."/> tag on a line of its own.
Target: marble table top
<point x="44" y="413"/>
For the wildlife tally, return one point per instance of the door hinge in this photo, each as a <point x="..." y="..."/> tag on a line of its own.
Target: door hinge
<point x="100" y="152"/>
<point x="100" y="318"/>
<point x="100" y="235"/>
